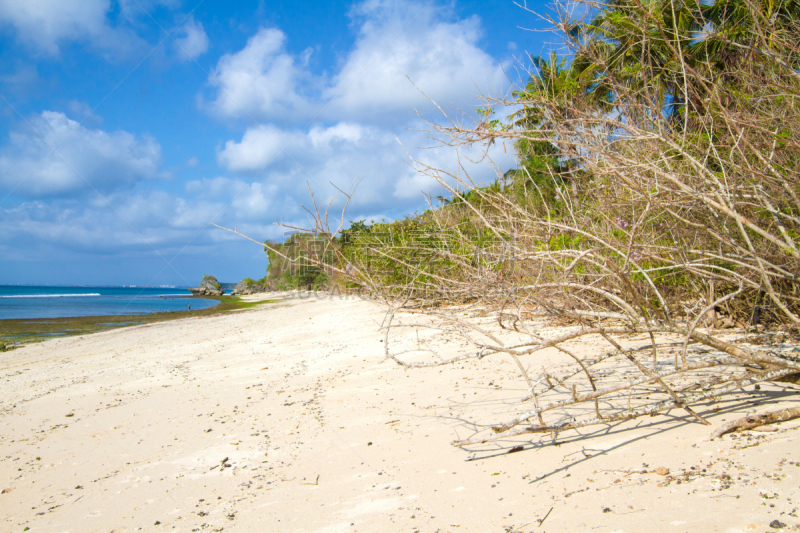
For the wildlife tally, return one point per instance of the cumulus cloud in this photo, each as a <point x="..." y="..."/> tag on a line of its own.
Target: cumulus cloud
<point x="261" y="80"/>
<point x="59" y="156"/>
<point x="134" y="223"/>
<point x="400" y="43"/>
<point x="191" y="40"/>
<point x="365" y="130"/>
<point x="343" y="132"/>
<point x="137" y="221"/>
<point x="361" y="109"/>
<point x="397" y="43"/>
<point x="257" y="202"/>
<point x="336" y="156"/>
<point x="259" y="147"/>
<point x="47" y="24"/>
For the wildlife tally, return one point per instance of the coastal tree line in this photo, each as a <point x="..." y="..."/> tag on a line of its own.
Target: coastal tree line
<point x="656" y="198"/>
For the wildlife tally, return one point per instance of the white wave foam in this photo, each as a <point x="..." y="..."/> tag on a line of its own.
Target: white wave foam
<point x="50" y="295"/>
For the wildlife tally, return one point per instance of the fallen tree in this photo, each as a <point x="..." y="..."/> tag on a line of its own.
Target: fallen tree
<point x="657" y="201"/>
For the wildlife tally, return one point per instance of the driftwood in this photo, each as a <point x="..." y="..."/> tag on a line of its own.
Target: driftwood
<point x="754" y="421"/>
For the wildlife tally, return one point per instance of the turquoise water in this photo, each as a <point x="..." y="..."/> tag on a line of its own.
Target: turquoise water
<point x="19" y="301"/>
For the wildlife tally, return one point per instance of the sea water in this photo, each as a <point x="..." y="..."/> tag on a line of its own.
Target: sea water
<point x="18" y="301"/>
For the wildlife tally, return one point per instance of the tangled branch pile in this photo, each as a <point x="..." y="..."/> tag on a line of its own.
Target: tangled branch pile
<point x="657" y="195"/>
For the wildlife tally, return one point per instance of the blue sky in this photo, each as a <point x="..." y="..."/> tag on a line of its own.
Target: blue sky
<point x="128" y="126"/>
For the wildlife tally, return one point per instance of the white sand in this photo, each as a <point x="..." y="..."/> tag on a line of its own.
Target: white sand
<point x="127" y="430"/>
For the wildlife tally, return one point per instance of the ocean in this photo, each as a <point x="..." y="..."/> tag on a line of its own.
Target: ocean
<point x="19" y="301"/>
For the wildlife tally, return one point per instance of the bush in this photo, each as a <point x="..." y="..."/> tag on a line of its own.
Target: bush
<point x="657" y="193"/>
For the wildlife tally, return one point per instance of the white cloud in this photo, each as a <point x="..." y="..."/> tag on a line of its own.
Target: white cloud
<point x="61" y="157"/>
<point x="137" y="222"/>
<point x="47" y="24"/>
<point x="259" y="147"/>
<point x="191" y="40"/>
<point x="334" y="157"/>
<point x="368" y="99"/>
<point x="342" y="132"/>
<point x="369" y="104"/>
<point x="260" y="81"/>
<point x="257" y="202"/>
<point x="134" y="221"/>
<point x="399" y="41"/>
<point x="147" y="238"/>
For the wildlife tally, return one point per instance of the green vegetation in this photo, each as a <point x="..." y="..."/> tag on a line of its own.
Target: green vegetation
<point x="656" y="160"/>
<point x="657" y="195"/>
<point x="295" y="264"/>
<point x="210" y="280"/>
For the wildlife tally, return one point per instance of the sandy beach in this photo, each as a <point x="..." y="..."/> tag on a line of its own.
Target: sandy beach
<point x="288" y="417"/>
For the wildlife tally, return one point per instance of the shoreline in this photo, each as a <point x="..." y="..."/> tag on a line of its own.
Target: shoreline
<point x="288" y="417"/>
<point x="15" y="332"/>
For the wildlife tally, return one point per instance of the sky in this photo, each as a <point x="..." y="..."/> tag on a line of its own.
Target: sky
<point x="129" y="127"/>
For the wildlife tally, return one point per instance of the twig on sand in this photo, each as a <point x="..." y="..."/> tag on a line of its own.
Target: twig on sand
<point x="754" y="421"/>
<point x="541" y="521"/>
<point x="316" y="482"/>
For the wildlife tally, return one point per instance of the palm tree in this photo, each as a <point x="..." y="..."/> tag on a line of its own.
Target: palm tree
<point x="737" y="30"/>
<point x="643" y="51"/>
<point x="661" y="48"/>
<point x="549" y="98"/>
<point x="552" y="89"/>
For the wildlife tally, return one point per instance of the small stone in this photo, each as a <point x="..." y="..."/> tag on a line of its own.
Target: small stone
<point x="776" y="524"/>
<point x="661" y="471"/>
<point x="6" y="491"/>
<point x="606" y="509"/>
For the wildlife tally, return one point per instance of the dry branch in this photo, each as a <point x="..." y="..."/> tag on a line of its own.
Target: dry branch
<point x="754" y="421"/>
<point x="638" y="209"/>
